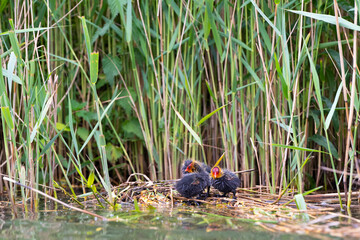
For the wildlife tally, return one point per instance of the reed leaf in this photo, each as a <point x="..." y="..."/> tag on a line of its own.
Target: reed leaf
<point x="328" y="19"/>
<point x="87" y="36"/>
<point x="192" y="132"/>
<point x="209" y="115"/>
<point x="333" y="107"/>
<point x="128" y="29"/>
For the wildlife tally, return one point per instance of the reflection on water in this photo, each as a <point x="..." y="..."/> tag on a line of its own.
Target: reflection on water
<point x="182" y="223"/>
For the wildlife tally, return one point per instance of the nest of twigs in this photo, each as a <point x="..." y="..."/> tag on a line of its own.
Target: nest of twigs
<point x="322" y="216"/>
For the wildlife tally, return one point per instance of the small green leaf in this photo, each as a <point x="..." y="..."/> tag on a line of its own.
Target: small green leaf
<point x="132" y="126"/>
<point x="6" y="113"/>
<point x="91" y="179"/>
<point x="83" y="133"/>
<point x="86" y="115"/>
<point x="113" y="153"/>
<point x="76" y="106"/>
<point x="111" y="66"/>
<point x="124" y="100"/>
<point x="94" y="67"/>
<point x="60" y="126"/>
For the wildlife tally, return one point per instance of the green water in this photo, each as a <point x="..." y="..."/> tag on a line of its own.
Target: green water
<point x="180" y="223"/>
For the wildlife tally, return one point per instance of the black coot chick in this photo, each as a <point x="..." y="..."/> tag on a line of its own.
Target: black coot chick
<point x="190" y="166"/>
<point x="193" y="184"/>
<point x="224" y="180"/>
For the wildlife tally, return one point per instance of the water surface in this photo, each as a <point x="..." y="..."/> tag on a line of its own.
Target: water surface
<point x="180" y="223"/>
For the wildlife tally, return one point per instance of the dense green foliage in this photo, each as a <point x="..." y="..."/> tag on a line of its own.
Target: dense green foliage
<point x="92" y="91"/>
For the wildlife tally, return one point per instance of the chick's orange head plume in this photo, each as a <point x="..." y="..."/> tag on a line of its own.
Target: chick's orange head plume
<point x="216" y="172"/>
<point x="190" y="167"/>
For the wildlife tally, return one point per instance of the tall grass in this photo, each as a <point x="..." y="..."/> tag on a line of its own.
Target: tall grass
<point x="93" y="91"/>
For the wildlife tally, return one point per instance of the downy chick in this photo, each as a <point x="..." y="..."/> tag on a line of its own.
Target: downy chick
<point x="194" y="183"/>
<point x="224" y="180"/>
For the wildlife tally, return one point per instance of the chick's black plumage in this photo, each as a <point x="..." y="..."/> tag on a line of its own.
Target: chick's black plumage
<point x="225" y="181"/>
<point x="193" y="184"/>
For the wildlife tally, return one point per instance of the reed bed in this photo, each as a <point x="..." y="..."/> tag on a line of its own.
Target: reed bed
<point x="94" y="91"/>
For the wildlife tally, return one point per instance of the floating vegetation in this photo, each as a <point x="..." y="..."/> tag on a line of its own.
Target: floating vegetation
<point x="252" y="205"/>
<point x="145" y="202"/>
